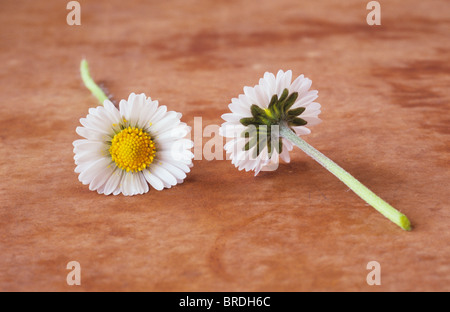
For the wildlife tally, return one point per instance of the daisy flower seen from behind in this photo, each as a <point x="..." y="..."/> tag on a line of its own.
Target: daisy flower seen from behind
<point x="267" y="121"/>
<point x="260" y="111"/>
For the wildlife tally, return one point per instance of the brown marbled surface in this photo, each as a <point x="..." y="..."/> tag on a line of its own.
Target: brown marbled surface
<point x="384" y="92"/>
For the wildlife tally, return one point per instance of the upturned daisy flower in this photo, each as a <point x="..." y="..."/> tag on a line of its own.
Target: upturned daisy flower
<point x="267" y="121"/>
<point x="127" y="149"/>
<point x="253" y="125"/>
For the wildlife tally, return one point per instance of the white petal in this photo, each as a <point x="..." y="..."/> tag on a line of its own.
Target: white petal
<point x="119" y="187"/>
<point x="123" y="108"/>
<point x="280" y="86"/>
<point x="176" y="146"/>
<point x="244" y="100"/>
<point x="269" y="84"/>
<point x="175" y="133"/>
<point x="93" y="134"/>
<point x="301" y="130"/>
<point x="312" y="121"/>
<point x="101" y="177"/>
<point x="297" y="83"/>
<point x="286" y="82"/>
<point x="147" y="113"/>
<point x="93" y="170"/>
<point x="86" y="145"/>
<point x="175" y="171"/>
<point x="144" y="184"/>
<point x="312" y="107"/>
<point x="262" y="100"/>
<point x="287" y="144"/>
<point x="231" y="131"/>
<point x="306" y="100"/>
<point x="94" y="123"/>
<point x="300" y="85"/>
<point x="165" y="176"/>
<point x="136" y="109"/>
<point x="237" y="108"/>
<point x="89" y="156"/>
<point x="251" y="96"/>
<point x="179" y="165"/>
<point x="160" y="112"/>
<point x="169" y="119"/>
<point x="113" y="112"/>
<point x="128" y="184"/>
<point x="285" y="155"/>
<point x="231" y="117"/>
<point x="113" y="181"/>
<point x="153" y="180"/>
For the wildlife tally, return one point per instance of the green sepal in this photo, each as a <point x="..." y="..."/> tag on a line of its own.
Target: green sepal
<point x="297" y="122"/>
<point x="289" y="101"/>
<point x="283" y="95"/>
<point x="257" y="111"/>
<point x="259" y="146"/>
<point x="251" y="121"/>
<point x="296" y="111"/>
<point x="273" y="101"/>
<point x="252" y="142"/>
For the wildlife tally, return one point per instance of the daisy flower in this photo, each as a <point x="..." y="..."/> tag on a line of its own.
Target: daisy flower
<point x="267" y="121"/>
<point x="126" y="150"/>
<point x="258" y="113"/>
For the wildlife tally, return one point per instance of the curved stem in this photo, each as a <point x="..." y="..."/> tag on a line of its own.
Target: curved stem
<point x="376" y="202"/>
<point x="90" y="83"/>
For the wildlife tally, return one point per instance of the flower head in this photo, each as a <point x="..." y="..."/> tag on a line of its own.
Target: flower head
<point x="257" y="114"/>
<point x="124" y="150"/>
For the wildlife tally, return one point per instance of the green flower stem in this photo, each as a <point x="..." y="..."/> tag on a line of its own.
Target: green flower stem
<point x="376" y="202"/>
<point x="90" y="83"/>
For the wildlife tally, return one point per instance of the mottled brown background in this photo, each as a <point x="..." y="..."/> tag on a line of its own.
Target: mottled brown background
<point x="384" y="91"/>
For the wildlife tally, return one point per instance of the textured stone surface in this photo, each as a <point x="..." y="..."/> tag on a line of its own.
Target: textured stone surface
<point x="384" y="92"/>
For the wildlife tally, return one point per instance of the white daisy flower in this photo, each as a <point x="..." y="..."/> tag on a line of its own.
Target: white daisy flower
<point x="268" y="119"/>
<point x="257" y="114"/>
<point x="127" y="149"/>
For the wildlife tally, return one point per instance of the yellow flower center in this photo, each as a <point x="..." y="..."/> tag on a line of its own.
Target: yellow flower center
<point x="132" y="149"/>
